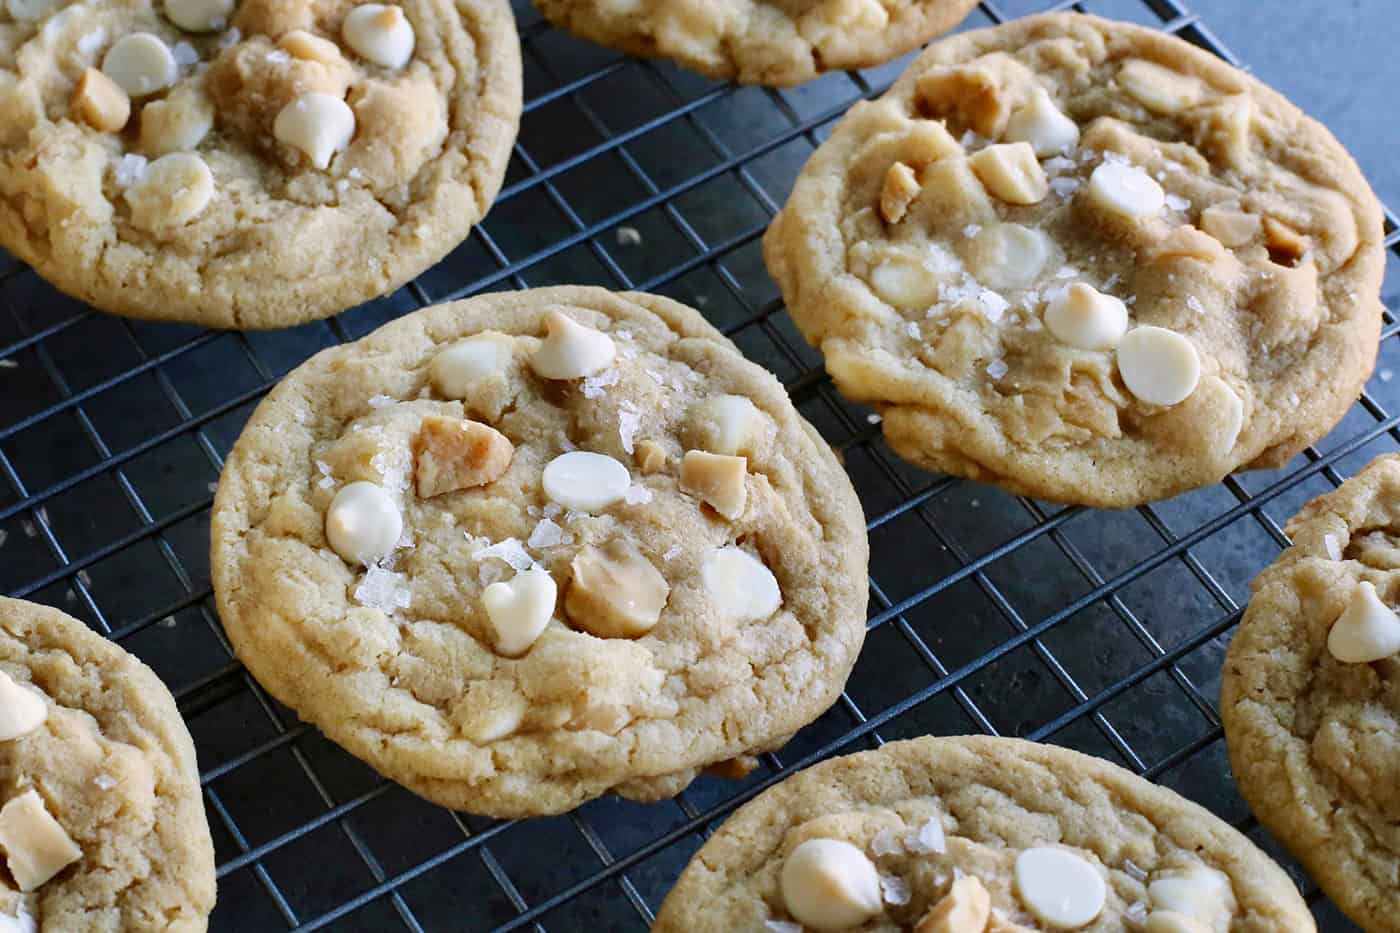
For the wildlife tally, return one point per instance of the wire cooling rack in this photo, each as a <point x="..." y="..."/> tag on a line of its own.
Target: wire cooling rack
<point x="1103" y="631"/>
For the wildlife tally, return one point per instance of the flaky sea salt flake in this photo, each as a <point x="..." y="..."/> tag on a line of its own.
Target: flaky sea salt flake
<point x="886" y="842"/>
<point x="509" y="550"/>
<point x="997" y="368"/>
<point x="130" y="169"/>
<point x="105" y="782"/>
<point x="929" y="838"/>
<point x="1064" y="186"/>
<point x="782" y="926"/>
<point x="381" y="401"/>
<point x="1134" y="871"/>
<point x="383" y="590"/>
<point x="1334" y="548"/>
<point x="1177" y="203"/>
<point x="629" y="421"/>
<point x="1194" y="304"/>
<point x="546" y="534"/>
<point x="971" y="230"/>
<point x="637" y="494"/>
<point x="672" y="552"/>
<point x="895" y="889"/>
<point x="596" y="386"/>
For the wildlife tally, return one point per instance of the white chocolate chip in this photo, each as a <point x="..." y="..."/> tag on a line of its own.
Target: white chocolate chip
<point x="30" y="10"/>
<point x="519" y="609"/>
<point x="1008" y="256"/>
<point x="718" y="480"/>
<point x="363" y="524"/>
<point x="455" y="370"/>
<point x="1159" y="366"/>
<point x="1159" y="89"/>
<point x="830" y="885"/>
<point x="140" y="64"/>
<point x="1200" y="892"/>
<point x="572" y="350"/>
<point x="100" y="102"/>
<point x="1043" y="125"/>
<point x="309" y="47"/>
<point x="739" y="586"/>
<point x="451" y="454"/>
<point x="174" y="190"/>
<point x="1060" y="888"/>
<point x="21" y="710"/>
<point x="1169" y="921"/>
<point x="36" y="846"/>
<point x="319" y="125"/>
<point x="176" y="123"/>
<point x="1367" y="630"/>
<point x="966" y="908"/>
<point x="380" y="34"/>
<point x="905" y="283"/>
<point x="1009" y="171"/>
<point x="1084" y="317"/>
<point x="199" y="15"/>
<point x="1126" y="190"/>
<point x="615" y="591"/>
<point x="724" y="424"/>
<point x="585" y="481"/>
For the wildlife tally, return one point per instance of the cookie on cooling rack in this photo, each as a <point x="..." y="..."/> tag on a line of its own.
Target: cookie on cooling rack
<point x="521" y="550"/>
<point x="1086" y="261"/>
<point x="1310" y="695"/>
<point x="249" y="163"/>
<point x="962" y="835"/>
<point x="773" y="42"/>
<point x="102" y="825"/>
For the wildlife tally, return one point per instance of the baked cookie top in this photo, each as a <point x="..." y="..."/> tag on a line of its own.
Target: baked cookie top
<point x="520" y="550"/>
<point x="961" y="835"/>
<point x="773" y="42"/>
<point x="102" y="825"/>
<point x="249" y="163"/>
<point x="1310" y="695"/>
<point x="1086" y="261"/>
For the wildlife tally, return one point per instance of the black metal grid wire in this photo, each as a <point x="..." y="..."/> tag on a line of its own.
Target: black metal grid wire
<point x="1102" y="631"/>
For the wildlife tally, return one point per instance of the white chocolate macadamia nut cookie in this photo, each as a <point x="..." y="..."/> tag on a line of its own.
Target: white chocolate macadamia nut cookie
<point x="1310" y="694"/>
<point x="1085" y="261"/>
<point x="101" y="820"/>
<point x="325" y="152"/>
<point x="520" y="551"/>
<point x="978" y="835"/>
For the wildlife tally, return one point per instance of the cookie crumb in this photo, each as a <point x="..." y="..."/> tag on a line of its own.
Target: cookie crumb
<point x="167" y="622"/>
<point x="629" y="236"/>
<point x="9" y="364"/>
<point x="3" y="536"/>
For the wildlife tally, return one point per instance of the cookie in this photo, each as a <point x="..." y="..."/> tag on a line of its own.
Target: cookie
<point x="102" y="824"/>
<point x="521" y="550"/>
<point x="774" y="42"/>
<point x="249" y="163"/>
<point x="958" y="835"/>
<point x="1085" y="261"/>
<point x="1310" y="695"/>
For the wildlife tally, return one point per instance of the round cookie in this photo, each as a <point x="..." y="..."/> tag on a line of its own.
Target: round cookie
<point x="1085" y="261"/>
<point x="101" y="820"/>
<point x="604" y="551"/>
<point x="254" y="164"/>
<point x="774" y="42"/>
<point x="1313" y="738"/>
<point x="971" y="833"/>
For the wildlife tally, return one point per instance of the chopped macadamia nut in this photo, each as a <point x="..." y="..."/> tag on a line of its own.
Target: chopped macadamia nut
<point x="318" y="125"/>
<point x="966" y="908"/>
<point x="1199" y="892"/>
<point x="199" y="15"/>
<point x="22" y="710"/>
<point x="1233" y="228"/>
<point x="1041" y="124"/>
<point x="174" y="190"/>
<point x="724" y="424"/>
<point x="36" y="846"/>
<point x="585" y="481"/>
<point x="1159" y="366"/>
<point x="1062" y="889"/>
<point x="309" y="47"/>
<point x="177" y="122"/>
<point x="140" y="64"/>
<point x="467" y="362"/>
<point x="1007" y="256"/>
<point x="719" y="480"/>
<point x="899" y="191"/>
<point x="1010" y="172"/>
<point x="830" y="885"/>
<point x="379" y="34"/>
<point x="519" y="609"/>
<point x="1187" y="242"/>
<point x="363" y="524"/>
<point x="651" y="456"/>
<point x="572" y="350"/>
<point x="1084" y="317"/>
<point x="739" y="586"/>
<point x="1160" y="90"/>
<point x="450" y="454"/>
<point x="1126" y="191"/>
<point x="969" y="92"/>
<point x="615" y="591"/>
<point x="489" y="711"/>
<point x="100" y="102"/>
<point x="1286" y="245"/>
<point x="1367" y="630"/>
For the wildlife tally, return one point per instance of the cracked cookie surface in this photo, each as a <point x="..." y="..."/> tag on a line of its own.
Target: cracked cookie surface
<point x="1086" y="261"/>
<point x="1313" y="739"/>
<point x="933" y="816"/>
<point x="773" y="42"/>
<point x="559" y="584"/>
<point x="281" y="164"/>
<point x="113" y="764"/>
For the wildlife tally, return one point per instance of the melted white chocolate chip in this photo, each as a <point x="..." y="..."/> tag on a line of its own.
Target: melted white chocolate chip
<point x="1060" y="888"/>
<point x="379" y="34"/>
<point x="1084" y="317"/>
<point x="21" y="710"/>
<point x="739" y="586"/>
<point x="1201" y="893"/>
<point x="725" y="424"/>
<point x="718" y="480"/>
<point x="966" y="908"/>
<point x="1367" y="630"/>
<point x="363" y="524"/>
<point x="1041" y="124"/>
<point x="140" y="64"/>
<point x="830" y="885"/>
<point x="1159" y="366"/>
<point x="464" y="364"/>
<point x="199" y="15"/>
<point x="519" y="609"/>
<point x="319" y="125"/>
<point x="1126" y="190"/>
<point x="572" y="350"/>
<point x="174" y="190"/>
<point x="585" y="481"/>
<point x="30" y="9"/>
<point x="1008" y="256"/>
<point x="36" y="846"/>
